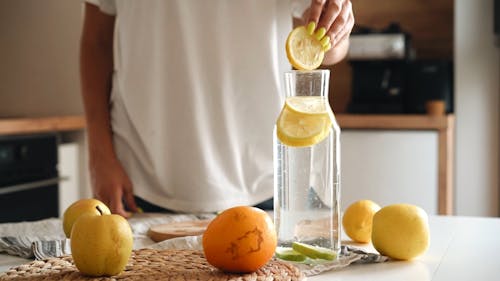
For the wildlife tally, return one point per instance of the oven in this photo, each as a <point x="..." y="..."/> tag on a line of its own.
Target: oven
<point x="29" y="180"/>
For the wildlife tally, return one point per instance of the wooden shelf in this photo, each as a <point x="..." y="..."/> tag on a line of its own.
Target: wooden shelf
<point x="394" y="122"/>
<point x="17" y="126"/>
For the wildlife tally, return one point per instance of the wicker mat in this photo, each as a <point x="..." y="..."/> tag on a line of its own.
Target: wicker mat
<point x="149" y="264"/>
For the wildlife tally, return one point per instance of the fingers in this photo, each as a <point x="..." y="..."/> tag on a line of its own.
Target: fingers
<point x="332" y="10"/>
<point x="333" y="17"/>
<point x="129" y="200"/>
<point x="315" y="10"/>
<point x="343" y="31"/>
<point x="116" y="205"/>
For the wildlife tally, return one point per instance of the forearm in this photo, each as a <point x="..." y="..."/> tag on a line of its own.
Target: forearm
<point x="96" y="75"/>
<point x="96" y="70"/>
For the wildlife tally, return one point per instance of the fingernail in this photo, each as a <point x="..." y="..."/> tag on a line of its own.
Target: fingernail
<point x="310" y="27"/>
<point x="325" y="41"/>
<point x="327" y="47"/>
<point x="320" y="33"/>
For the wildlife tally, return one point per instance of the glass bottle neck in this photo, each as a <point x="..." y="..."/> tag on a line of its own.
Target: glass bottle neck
<point x="307" y="83"/>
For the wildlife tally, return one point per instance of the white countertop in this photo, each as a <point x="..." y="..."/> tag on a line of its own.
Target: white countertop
<point x="461" y="248"/>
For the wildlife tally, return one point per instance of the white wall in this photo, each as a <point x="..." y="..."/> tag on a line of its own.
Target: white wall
<point x="477" y="90"/>
<point x="39" y="57"/>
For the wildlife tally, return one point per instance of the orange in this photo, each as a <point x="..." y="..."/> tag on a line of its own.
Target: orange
<point x="240" y="239"/>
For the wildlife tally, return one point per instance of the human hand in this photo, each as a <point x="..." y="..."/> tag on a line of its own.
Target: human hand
<point x="333" y="18"/>
<point x="111" y="185"/>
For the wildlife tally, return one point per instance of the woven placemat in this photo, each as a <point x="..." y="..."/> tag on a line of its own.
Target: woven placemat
<point x="149" y="264"/>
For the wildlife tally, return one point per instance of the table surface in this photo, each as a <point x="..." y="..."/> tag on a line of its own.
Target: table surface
<point x="461" y="248"/>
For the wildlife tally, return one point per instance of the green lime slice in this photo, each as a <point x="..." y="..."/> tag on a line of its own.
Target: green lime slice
<point x="314" y="252"/>
<point x="289" y="254"/>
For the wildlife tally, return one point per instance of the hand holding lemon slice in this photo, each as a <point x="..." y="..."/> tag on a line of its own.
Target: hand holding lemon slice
<point x="305" y="120"/>
<point x="305" y="48"/>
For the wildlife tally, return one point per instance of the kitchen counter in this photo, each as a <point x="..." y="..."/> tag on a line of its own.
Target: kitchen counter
<point x="461" y="248"/>
<point x="17" y="126"/>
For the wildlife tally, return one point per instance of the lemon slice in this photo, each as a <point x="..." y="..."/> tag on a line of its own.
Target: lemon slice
<point x="304" y="121"/>
<point x="303" y="49"/>
<point x="289" y="254"/>
<point x="314" y="252"/>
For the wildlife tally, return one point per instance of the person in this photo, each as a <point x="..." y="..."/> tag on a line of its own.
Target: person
<point x="181" y="96"/>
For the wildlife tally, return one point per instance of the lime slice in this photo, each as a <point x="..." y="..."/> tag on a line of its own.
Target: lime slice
<point x="303" y="50"/>
<point x="304" y="121"/>
<point x="314" y="252"/>
<point x="289" y="254"/>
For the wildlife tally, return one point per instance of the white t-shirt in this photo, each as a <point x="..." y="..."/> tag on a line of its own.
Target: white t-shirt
<point x="196" y="93"/>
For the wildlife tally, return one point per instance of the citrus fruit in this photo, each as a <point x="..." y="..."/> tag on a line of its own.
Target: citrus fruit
<point x="305" y="49"/>
<point x="240" y="239"/>
<point x="304" y="121"/>
<point x="289" y="254"/>
<point x="357" y="220"/>
<point x="401" y="231"/>
<point x="314" y="252"/>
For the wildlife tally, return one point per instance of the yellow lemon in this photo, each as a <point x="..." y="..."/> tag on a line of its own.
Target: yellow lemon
<point x="401" y="231"/>
<point x="357" y="220"/>
<point x="305" y="50"/>
<point x="304" y="121"/>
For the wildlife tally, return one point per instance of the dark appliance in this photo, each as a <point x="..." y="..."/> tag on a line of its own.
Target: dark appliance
<point x="429" y="80"/>
<point x="29" y="188"/>
<point x="379" y="61"/>
<point x="387" y="78"/>
<point x="496" y="17"/>
<point x="378" y="87"/>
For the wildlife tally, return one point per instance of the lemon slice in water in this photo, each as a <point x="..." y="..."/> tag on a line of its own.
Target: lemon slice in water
<point x="304" y="121"/>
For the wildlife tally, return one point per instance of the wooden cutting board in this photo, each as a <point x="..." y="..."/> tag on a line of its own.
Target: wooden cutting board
<point x="171" y="230"/>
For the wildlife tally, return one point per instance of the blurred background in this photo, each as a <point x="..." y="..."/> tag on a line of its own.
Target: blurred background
<point x="404" y="54"/>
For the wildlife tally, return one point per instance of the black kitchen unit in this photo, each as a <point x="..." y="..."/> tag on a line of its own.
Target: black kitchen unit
<point x="29" y="178"/>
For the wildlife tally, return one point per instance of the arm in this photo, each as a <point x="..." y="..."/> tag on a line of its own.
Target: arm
<point x="109" y="181"/>
<point x="337" y="18"/>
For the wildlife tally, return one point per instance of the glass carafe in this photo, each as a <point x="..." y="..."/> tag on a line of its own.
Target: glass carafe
<point x="307" y="170"/>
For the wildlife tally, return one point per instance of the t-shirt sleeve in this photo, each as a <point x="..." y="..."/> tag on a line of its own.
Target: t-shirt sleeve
<point x="106" y="6"/>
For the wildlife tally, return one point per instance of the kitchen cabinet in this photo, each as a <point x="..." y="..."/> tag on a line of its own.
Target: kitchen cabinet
<point x="390" y="167"/>
<point x="70" y="150"/>
<point x="397" y="158"/>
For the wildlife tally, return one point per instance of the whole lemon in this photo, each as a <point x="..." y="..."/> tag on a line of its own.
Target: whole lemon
<point x="357" y="220"/>
<point x="401" y="231"/>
